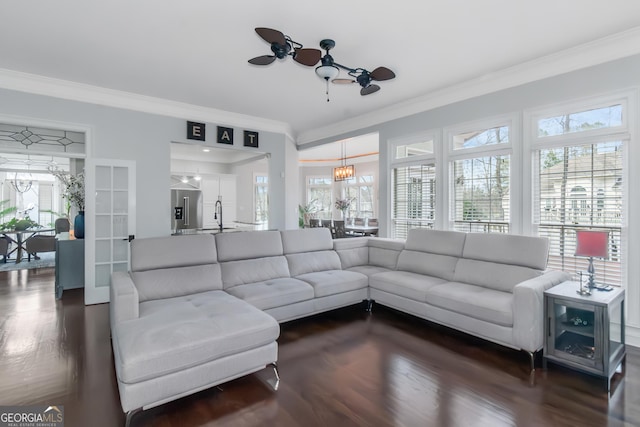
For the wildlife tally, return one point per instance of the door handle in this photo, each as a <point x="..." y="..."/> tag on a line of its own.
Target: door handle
<point x="130" y="238"/>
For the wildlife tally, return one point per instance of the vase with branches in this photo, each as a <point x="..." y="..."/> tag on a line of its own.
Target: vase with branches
<point x="73" y="193"/>
<point x="343" y="206"/>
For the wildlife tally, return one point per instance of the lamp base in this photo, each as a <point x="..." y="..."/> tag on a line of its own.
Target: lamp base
<point x="583" y="292"/>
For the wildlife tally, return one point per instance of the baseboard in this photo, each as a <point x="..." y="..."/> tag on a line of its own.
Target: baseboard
<point x="632" y="335"/>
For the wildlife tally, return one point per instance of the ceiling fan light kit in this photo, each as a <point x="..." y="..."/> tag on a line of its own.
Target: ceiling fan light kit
<point x="282" y="46"/>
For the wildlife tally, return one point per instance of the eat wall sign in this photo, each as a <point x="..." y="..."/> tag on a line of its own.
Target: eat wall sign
<point x="196" y="131"/>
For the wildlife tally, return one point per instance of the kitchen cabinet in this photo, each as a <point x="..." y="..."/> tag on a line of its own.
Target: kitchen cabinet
<point x="214" y="187"/>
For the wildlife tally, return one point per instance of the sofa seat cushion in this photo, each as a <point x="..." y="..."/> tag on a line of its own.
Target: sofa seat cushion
<point x="405" y="284"/>
<point x="273" y="293"/>
<point x="174" y="334"/>
<point x="474" y="301"/>
<point x="333" y="282"/>
<point x="368" y="270"/>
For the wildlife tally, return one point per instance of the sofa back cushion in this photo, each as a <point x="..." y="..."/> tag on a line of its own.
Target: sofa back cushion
<point x="501" y="261"/>
<point x="167" y="267"/>
<point x="526" y="251"/>
<point x="175" y="251"/>
<point x="432" y="252"/>
<point x="176" y="281"/>
<point x="309" y="250"/>
<point x="306" y="240"/>
<point x="247" y="271"/>
<point x="493" y="275"/>
<point x="352" y="252"/>
<point x="250" y="257"/>
<point x="385" y="252"/>
<point x="248" y="245"/>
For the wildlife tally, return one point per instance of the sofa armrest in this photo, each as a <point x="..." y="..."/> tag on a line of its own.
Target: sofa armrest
<point x="124" y="298"/>
<point x="528" y="309"/>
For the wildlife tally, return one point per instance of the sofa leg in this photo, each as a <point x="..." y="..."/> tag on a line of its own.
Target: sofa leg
<point x="532" y="359"/>
<point x="276" y="384"/>
<point x="369" y="305"/>
<point x="130" y="415"/>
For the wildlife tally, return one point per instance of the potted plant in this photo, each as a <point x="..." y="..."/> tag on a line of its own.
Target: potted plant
<point x="73" y="193"/>
<point x="307" y="212"/>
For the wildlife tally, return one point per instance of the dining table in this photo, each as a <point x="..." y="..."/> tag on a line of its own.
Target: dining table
<point x="21" y="238"/>
<point x="365" y="230"/>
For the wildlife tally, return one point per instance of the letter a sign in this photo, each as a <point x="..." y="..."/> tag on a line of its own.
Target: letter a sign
<point x="225" y="135"/>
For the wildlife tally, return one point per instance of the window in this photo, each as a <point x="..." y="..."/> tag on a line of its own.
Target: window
<point x="414" y="198"/>
<point x="578" y="184"/>
<point x="413" y="181"/>
<point x="480" y="179"/>
<point x="261" y="197"/>
<point x="583" y="183"/>
<point x="360" y="190"/>
<point x="319" y="189"/>
<point x="597" y="118"/>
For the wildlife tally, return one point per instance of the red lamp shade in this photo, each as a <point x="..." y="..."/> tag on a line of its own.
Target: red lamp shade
<point x="592" y="243"/>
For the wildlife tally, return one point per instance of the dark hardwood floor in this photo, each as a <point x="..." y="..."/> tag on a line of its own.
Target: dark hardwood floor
<point x="343" y="368"/>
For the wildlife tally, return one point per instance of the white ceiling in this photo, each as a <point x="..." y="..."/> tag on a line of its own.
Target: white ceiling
<point x="196" y="51"/>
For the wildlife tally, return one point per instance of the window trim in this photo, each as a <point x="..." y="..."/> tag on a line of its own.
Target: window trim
<point x="628" y="98"/>
<point x="512" y="149"/>
<point x="574" y="106"/>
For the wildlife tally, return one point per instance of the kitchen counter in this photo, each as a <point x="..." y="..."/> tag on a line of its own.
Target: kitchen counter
<point x="234" y="228"/>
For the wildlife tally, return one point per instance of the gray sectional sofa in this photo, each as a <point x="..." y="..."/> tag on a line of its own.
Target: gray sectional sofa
<point x="199" y="310"/>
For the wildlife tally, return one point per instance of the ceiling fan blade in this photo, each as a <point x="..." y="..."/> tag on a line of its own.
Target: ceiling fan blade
<point x="382" y="73"/>
<point x="369" y="90"/>
<point x="262" y="60"/>
<point x="271" y="35"/>
<point x="343" y="81"/>
<point x="308" y="57"/>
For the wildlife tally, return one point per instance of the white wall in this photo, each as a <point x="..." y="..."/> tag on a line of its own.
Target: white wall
<point x="116" y="133"/>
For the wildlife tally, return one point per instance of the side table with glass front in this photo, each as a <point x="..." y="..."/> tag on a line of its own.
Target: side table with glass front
<point x="585" y="332"/>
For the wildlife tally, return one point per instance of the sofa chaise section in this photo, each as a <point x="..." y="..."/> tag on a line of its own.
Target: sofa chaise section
<point x="175" y="331"/>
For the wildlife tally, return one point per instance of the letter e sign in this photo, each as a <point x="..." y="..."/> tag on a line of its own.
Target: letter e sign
<point x="250" y="139"/>
<point x="195" y="131"/>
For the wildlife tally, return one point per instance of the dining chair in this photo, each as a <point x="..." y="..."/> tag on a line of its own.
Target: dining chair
<point x="62" y="225"/>
<point x="40" y="243"/>
<point x="338" y="231"/>
<point x="358" y="221"/>
<point x="326" y="223"/>
<point x="4" y="248"/>
<point x="314" y="223"/>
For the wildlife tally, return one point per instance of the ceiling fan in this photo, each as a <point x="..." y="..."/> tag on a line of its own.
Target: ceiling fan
<point x="329" y="71"/>
<point x="282" y="45"/>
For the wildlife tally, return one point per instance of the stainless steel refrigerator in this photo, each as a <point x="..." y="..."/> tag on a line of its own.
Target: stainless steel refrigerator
<point x="186" y="209"/>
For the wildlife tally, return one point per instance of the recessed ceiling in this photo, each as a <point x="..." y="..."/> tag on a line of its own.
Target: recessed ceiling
<point x="196" y="153"/>
<point x="197" y="52"/>
<point x="357" y="150"/>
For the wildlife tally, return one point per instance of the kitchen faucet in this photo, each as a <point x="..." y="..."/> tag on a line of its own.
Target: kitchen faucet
<point x="215" y="215"/>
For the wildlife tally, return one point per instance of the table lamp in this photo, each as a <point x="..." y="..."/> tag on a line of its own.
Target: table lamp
<point x="592" y="244"/>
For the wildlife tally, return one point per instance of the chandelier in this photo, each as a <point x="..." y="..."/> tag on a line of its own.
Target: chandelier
<point x="344" y="171"/>
<point x="21" y="186"/>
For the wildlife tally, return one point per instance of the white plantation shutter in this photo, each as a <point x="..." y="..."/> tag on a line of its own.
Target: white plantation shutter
<point x="579" y="187"/>
<point x="414" y="198"/>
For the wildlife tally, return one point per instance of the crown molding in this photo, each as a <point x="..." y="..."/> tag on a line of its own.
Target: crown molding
<point x="47" y="86"/>
<point x="616" y="46"/>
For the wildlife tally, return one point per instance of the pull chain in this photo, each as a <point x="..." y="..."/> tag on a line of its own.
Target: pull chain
<point x="327" y="80"/>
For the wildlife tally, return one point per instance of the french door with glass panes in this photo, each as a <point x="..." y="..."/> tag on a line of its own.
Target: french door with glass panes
<point x="109" y="223"/>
